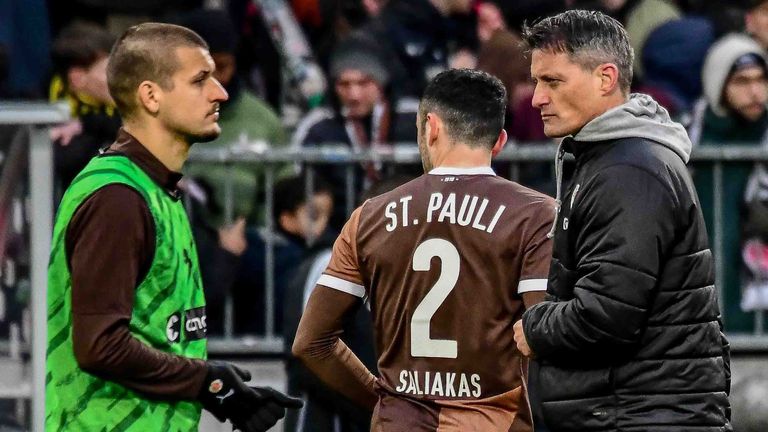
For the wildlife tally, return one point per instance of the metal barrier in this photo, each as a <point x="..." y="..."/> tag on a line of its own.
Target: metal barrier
<point x="34" y="120"/>
<point x="516" y="155"/>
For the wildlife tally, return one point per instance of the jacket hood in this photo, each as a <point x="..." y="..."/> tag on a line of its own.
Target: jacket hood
<point x="719" y="62"/>
<point x="639" y="117"/>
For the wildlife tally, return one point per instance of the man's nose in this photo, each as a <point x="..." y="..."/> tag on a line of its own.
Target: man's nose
<point x="219" y="94"/>
<point x="540" y="98"/>
<point x="355" y="92"/>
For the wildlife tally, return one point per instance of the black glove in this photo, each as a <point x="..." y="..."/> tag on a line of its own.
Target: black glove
<point x="250" y="409"/>
<point x="272" y="409"/>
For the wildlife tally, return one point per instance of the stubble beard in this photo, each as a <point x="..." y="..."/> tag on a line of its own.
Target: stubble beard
<point x="203" y="137"/>
<point x="426" y="162"/>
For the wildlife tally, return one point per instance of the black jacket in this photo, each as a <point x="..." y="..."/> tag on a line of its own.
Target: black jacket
<point x="630" y="338"/>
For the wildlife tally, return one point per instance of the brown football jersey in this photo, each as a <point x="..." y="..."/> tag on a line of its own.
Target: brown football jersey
<point x="443" y="261"/>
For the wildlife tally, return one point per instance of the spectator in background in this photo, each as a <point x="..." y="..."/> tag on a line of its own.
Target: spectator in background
<point x="756" y="21"/>
<point x="489" y="20"/>
<point x="673" y="56"/>
<point x="245" y="119"/>
<point x="298" y="223"/>
<point x="419" y="33"/>
<point x="80" y="54"/>
<point x="324" y="409"/>
<point x="364" y="114"/>
<point x="755" y="245"/>
<point x="732" y="112"/>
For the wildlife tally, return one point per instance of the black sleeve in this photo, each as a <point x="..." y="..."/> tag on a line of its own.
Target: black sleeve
<point x="625" y="222"/>
<point x="110" y="243"/>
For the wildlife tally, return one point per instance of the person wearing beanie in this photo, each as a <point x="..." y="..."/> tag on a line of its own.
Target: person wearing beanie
<point x="363" y="114"/>
<point x="731" y="112"/>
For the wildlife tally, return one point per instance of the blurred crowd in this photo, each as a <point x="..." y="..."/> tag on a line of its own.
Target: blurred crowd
<point x="308" y="73"/>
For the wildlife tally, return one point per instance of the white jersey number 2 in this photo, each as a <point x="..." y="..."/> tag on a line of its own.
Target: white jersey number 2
<point x="422" y="345"/>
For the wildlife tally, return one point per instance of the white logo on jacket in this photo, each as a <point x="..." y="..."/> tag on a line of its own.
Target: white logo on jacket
<point x="573" y="199"/>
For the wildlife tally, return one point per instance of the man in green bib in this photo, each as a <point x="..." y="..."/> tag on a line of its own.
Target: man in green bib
<point x="126" y="310"/>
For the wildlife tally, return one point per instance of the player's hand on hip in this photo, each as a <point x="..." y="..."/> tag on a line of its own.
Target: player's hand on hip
<point x="522" y="343"/>
<point x="269" y="406"/>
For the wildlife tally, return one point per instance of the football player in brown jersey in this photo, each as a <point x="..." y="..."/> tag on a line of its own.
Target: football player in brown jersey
<point x="448" y="262"/>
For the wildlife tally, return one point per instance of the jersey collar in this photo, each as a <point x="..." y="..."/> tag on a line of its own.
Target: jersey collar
<point x="480" y="170"/>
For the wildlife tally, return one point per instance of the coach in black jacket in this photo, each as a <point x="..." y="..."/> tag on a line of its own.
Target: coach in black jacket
<point x="630" y="339"/>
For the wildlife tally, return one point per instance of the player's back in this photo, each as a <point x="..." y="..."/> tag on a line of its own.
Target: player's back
<point x="444" y="260"/>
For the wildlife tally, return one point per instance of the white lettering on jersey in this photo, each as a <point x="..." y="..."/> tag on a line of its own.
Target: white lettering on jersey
<point x="404" y="202"/>
<point x="465" y="214"/>
<point x="390" y="214"/>
<point x="435" y="200"/>
<point x="476" y="384"/>
<point x="430" y="383"/>
<point x="476" y="223"/>
<point x="495" y="219"/>
<point x="449" y="209"/>
<point x="462" y="211"/>
<point x="403" y="381"/>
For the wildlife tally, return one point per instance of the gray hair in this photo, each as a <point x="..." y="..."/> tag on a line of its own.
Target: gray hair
<point x="590" y="38"/>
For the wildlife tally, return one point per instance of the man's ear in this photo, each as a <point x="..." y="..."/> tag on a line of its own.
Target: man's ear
<point x="434" y="126"/>
<point x="150" y="96"/>
<point x="501" y="141"/>
<point x="608" y="73"/>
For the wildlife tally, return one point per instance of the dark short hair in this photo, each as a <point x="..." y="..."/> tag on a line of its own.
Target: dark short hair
<point x="291" y="193"/>
<point x="80" y="44"/>
<point x="471" y="103"/>
<point x="590" y="38"/>
<point x="146" y="52"/>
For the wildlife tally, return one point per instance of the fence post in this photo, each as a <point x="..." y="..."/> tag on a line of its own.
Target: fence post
<point x="41" y="221"/>
<point x="717" y="173"/>
<point x="269" y="258"/>
<point x="229" y="212"/>
<point x="349" y="189"/>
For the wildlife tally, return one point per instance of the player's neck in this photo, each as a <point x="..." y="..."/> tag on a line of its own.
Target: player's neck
<point x="463" y="156"/>
<point x="170" y="149"/>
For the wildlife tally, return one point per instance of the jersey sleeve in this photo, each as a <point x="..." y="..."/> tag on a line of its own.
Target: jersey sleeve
<point x="538" y="250"/>
<point x="343" y="272"/>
